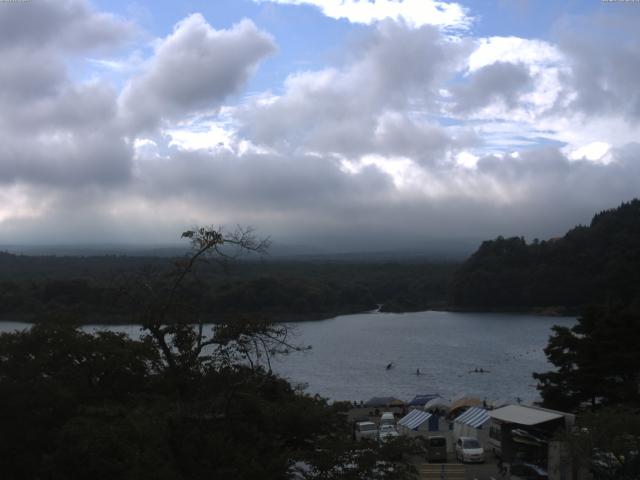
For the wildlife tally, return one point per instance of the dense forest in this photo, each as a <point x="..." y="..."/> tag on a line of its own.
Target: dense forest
<point x="96" y="288"/>
<point x="590" y="264"/>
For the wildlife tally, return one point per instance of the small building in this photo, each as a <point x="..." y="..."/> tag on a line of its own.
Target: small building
<point x="474" y="423"/>
<point x="520" y="433"/>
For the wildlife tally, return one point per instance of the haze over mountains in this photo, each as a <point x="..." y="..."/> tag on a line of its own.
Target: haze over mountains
<point x="452" y="249"/>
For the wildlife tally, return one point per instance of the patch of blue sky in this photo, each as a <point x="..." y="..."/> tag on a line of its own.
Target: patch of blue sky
<point x="306" y="39"/>
<point x="532" y="19"/>
<point x="504" y="144"/>
<point x="448" y="121"/>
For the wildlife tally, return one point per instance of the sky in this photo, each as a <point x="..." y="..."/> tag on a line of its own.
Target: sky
<point x="344" y="125"/>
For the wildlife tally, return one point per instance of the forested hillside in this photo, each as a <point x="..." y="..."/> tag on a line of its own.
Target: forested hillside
<point x="590" y="264"/>
<point x="99" y="288"/>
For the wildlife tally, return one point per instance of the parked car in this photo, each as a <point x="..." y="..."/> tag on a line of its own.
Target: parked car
<point x="365" y="430"/>
<point x="387" y="432"/>
<point x="468" y="449"/>
<point x="436" y="449"/>
<point x="527" y="471"/>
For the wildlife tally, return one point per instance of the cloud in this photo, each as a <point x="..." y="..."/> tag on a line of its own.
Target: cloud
<point x="416" y="134"/>
<point x="364" y="107"/>
<point x="415" y="13"/>
<point x="52" y="130"/>
<point x="71" y="25"/>
<point x="193" y="70"/>
<point x="58" y="131"/>
<point x="499" y="82"/>
<point x="604" y="65"/>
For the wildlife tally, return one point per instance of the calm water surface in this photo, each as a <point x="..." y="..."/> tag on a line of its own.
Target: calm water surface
<point x="350" y="353"/>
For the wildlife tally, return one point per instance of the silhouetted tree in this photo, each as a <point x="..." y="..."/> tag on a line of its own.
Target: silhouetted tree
<point x="597" y="361"/>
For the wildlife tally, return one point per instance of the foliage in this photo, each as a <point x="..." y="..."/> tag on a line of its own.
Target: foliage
<point x="606" y="443"/>
<point x="597" y="361"/>
<point x="181" y="403"/>
<point x="280" y="289"/>
<point x="588" y="265"/>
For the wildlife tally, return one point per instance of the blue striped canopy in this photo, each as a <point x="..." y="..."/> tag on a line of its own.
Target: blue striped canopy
<point x="414" y="419"/>
<point x="474" y="417"/>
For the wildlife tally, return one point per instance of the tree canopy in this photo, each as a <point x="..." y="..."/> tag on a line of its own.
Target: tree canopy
<point x="590" y="264"/>
<point x="180" y="403"/>
<point x="597" y="361"/>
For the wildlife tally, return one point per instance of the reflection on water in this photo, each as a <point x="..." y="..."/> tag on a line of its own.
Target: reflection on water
<point x="350" y="354"/>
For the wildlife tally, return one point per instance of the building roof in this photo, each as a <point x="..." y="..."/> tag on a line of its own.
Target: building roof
<point x="523" y="415"/>
<point x="474" y="417"/>
<point x="414" y="419"/>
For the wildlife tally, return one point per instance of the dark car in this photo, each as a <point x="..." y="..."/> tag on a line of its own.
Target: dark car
<point x="437" y="449"/>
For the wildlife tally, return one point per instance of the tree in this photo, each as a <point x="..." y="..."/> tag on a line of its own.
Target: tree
<point x="606" y="443"/>
<point x="597" y="361"/>
<point x="181" y="403"/>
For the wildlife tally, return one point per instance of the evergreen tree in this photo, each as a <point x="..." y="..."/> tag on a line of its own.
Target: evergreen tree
<point x="597" y="361"/>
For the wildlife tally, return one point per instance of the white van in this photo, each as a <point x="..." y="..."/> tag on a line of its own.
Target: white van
<point x="387" y="418"/>
<point x="365" y="430"/>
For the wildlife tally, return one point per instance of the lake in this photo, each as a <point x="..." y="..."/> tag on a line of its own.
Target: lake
<point x="350" y="353"/>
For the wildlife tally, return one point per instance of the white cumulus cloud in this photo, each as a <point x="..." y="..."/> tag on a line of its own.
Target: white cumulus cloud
<point x="415" y="13"/>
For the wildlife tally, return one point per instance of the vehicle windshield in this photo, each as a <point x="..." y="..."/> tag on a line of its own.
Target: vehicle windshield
<point x="387" y="428"/>
<point x="437" y="442"/>
<point x="471" y="443"/>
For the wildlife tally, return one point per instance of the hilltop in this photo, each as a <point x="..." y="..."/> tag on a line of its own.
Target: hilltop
<point x="590" y="264"/>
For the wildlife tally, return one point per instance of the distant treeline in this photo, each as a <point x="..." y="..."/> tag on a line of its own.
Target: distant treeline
<point x="599" y="263"/>
<point x="105" y="288"/>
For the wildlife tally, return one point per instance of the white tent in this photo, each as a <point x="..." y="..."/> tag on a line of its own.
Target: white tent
<point x="473" y="423"/>
<point x="438" y="404"/>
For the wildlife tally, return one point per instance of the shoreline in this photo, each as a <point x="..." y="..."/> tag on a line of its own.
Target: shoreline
<point x="123" y="319"/>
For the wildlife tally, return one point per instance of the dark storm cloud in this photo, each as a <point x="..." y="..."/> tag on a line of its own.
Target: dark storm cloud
<point x="262" y="182"/>
<point x="194" y="69"/>
<point x="68" y="160"/>
<point x="500" y="82"/>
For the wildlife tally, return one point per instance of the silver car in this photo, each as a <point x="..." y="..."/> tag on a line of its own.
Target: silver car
<point x="468" y="449"/>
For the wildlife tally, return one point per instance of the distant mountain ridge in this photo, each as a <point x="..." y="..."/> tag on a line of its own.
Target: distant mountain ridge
<point x="590" y="264"/>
